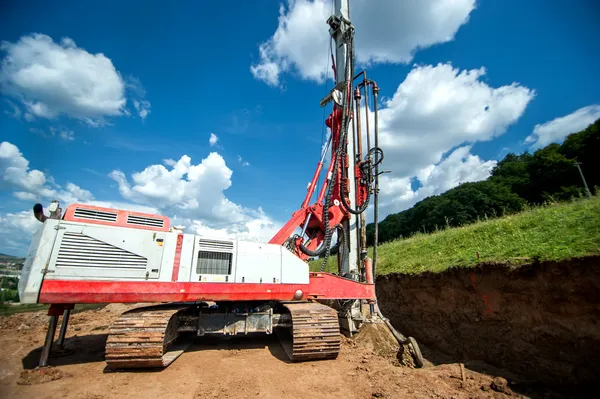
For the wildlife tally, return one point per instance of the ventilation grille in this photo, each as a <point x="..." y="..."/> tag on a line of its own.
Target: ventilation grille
<point x="145" y="221"/>
<point x="214" y="245"/>
<point x="214" y="263"/>
<point x="91" y="214"/>
<point x="79" y="250"/>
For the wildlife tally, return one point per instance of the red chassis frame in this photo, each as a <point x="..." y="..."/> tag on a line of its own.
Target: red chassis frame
<point x="320" y="286"/>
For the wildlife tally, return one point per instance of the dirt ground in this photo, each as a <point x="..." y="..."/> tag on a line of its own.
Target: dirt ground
<point x="237" y="368"/>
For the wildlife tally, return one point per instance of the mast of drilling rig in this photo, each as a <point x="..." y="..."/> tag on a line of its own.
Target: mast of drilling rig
<point x="339" y="24"/>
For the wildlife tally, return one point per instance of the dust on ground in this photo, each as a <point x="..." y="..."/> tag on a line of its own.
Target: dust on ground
<point x="236" y="368"/>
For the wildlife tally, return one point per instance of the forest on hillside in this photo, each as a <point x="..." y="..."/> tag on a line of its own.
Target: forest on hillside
<point x="548" y="174"/>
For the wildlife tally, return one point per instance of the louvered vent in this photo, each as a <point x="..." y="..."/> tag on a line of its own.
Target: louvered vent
<point x="79" y="250"/>
<point x="92" y="214"/>
<point x="145" y="221"/>
<point x="214" y="263"/>
<point x="214" y="245"/>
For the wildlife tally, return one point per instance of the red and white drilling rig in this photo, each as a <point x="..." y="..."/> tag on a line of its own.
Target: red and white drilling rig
<point x="200" y="285"/>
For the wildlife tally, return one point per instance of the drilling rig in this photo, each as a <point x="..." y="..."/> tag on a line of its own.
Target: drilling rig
<point x="205" y="286"/>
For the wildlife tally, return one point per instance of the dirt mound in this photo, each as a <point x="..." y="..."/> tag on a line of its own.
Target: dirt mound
<point x="41" y="375"/>
<point x="538" y="321"/>
<point x="378" y="339"/>
<point x="24" y="320"/>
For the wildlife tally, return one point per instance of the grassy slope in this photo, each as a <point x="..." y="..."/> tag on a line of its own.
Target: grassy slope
<point x="552" y="232"/>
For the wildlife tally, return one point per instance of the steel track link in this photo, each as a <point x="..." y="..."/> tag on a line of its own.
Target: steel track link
<point x="141" y="338"/>
<point x="315" y="332"/>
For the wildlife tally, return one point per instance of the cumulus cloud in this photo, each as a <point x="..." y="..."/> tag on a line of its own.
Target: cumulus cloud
<point x="29" y="184"/>
<point x="388" y="31"/>
<point x="437" y="108"/>
<point x="16" y="230"/>
<point x="191" y="194"/>
<point x="213" y="139"/>
<point x="459" y="167"/>
<point x="556" y="130"/>
<point x="194" y="195"/>
<point x="59" y="78"/>
<point x="256" y="226"/>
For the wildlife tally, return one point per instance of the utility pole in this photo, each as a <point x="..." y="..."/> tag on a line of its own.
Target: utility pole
<point x="587" y="190"/>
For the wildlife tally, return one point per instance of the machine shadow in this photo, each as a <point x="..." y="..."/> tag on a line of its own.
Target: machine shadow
<point x="78" y="350"/>
<point x="241" y="342"/>
<point x="90" y="349"/>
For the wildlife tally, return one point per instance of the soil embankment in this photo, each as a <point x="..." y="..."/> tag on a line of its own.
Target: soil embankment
<point x="538" y="321"/>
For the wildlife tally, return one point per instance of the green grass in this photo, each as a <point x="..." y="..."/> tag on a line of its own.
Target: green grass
<point x="550" y="232"/>
<point x="7" y="310"/>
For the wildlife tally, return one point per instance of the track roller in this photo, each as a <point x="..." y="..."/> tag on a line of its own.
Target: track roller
<point x="142" y="338"/>
<point x="315" y="332"/>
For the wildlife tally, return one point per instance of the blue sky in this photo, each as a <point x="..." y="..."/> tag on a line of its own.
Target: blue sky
<point x="198" y="68"/>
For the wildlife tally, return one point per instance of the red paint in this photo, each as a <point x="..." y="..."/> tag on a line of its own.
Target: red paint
<point x="489" y="309"/>
<point x="313" y="185"/>
<point x="474" y="283"/>
<point x="59" y="309"/>
<point x="121" y="217"/>
<point x="321" y="286"/>
<point x="177" y="260"/>
<point x="328" y="286"/>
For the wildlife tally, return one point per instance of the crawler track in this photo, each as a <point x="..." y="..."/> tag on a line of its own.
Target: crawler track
<point x="142" y="338"/>
<point x="315" y="332"/>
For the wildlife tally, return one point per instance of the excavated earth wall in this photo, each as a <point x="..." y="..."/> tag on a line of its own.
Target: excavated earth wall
<point x="540" y="321"/>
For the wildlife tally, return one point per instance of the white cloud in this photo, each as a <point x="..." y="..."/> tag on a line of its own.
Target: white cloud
<point x="25" y="196"/>
<point x="15" y="175"/>
<point x="438" y="108"/>
<point x="194" y="196"/>
<point x="556" y="130"/>
<point x="14" y="112"/>
<point x="459" y="167"/>
<point x="142" y="107"/>
<point x="387" y="31"/>
<point x="241" y="160"/>
<point x="138" y="93"/>
<point x="67" y="135"/>
<point x="256" y="226"/>
<point x="16" y="230"/>
<point x="213" y="139"/>
<point x="63" y="133"/>
<point x="436" y="111"/>
<point x="59" y="78"/>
